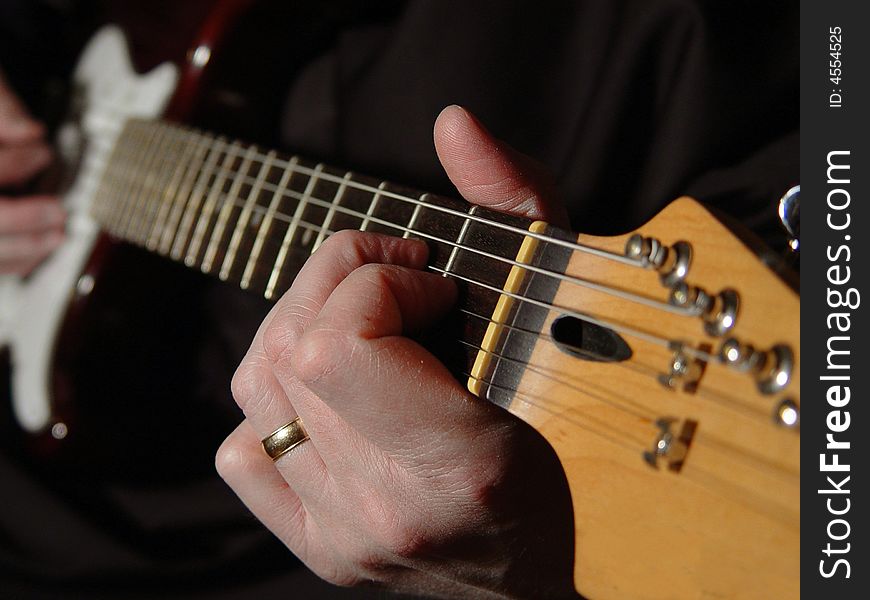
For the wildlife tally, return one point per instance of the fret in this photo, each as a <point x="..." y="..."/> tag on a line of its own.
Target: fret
<point x="372" y="206"/>
<point x="129" y="175"/>
<point x="138" y="170"/>
<point x="202" y="223"/>
<point x="194" y="168"/>
<point x="139" y="202"/>
<point x="196" y="198"/>
<point x="114" y="177"/>
<point x="291" y="231"/>
<point x="100" y="205"/>
<point x="266" y="224"/>
<point x="414" y="216"/>
<point x="226" y="210"/>
<point x="245" y="216"/>
<point x="331" y="212"/>
<point x="150" y="189"/>
<point x="459" y="240"/>
<point x="189" y="145"/>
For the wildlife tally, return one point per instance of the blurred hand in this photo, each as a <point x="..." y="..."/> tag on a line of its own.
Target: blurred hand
<point x="407" y="481"/>
<point x="30" y="226"/>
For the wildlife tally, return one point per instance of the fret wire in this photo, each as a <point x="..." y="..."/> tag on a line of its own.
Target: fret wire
<point x="371" y="210"/>
<point x="149" y="185"/>
<point x="184" y="195"/>
<point x="266" y="223"/>
<point x="297" y="222"/>
<point x="245" y="215"/>
<point x="583" y="317"/>
<point x="224" y="215"/>
<point x="138" y="171"/>
<point x="199" y="190"/>
<point x="510" y="228"/>
<point x="627" y="295"/>
<point x="141" y="158"/>
<point x="324" y="230"/>
<point x="208" y="208"/>
<point x="173" y="153"/>
<point x="601" y="253"/>
<point x="630" y="296"/>
<point x="171" y="189"/>
<point x="100" y="205"/>
<point x="409" y="229"/>
<point x="110" y="212"/>
<point x="153" y="173"/>
<point x="330" y="213"/>
<point x="291" y="231"/>
<point x="459" y="240"/>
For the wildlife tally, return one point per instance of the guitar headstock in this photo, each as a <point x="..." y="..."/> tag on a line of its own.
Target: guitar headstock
<point x="666" y="375"/>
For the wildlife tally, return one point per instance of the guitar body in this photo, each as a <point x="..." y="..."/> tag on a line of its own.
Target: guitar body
<point x="70" y="325"/>
<point x="113" y="92"/>
<point x="682" y="488"/>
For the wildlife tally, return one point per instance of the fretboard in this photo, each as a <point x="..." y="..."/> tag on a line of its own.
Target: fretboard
<point x="251" y="216"/>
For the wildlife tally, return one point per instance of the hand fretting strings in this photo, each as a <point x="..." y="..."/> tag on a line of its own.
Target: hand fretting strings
<point x="179" y="220"/>
<point x="251" y="156"/>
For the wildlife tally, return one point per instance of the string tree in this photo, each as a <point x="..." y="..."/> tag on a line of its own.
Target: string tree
<point x="684" y="369"/>
<point x="671" y="444"/>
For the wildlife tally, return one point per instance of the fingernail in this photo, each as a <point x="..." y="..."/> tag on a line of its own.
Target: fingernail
<point x="472" y="118"/>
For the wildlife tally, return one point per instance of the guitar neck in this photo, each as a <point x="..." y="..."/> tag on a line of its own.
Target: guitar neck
<point x="252" y="217"/>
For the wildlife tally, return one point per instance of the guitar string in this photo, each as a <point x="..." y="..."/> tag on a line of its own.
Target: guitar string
<point x="317" y="228"/>
<point x="586" y="317"/>
<point x="695" y="353"/>
<point x="572" y="279"/>
<point x="759" y="463"/>
<point x="704" y="392"/>
<point x="602" y="288"/>
<point x="260" y="158"/>
<point x="636" y="409"/>
<point x="629" y="365"/>
<point x="463" y="215"/>
<point x="742" y="495"/>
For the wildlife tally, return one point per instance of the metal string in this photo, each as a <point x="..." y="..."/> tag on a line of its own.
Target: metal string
<point x="588" y="318"/>
<point x="602" y="288"/>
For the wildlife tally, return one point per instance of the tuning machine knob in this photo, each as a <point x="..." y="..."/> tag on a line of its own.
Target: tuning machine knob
<point x="672" y="263"/>
<point x="718" y="312"/>
<point x="772" y="368"/>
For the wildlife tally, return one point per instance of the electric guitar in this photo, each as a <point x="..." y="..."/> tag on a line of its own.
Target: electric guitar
<point x="663" y="365"/>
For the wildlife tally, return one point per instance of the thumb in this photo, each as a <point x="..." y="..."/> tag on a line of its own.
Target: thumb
<point x="488" y="172"/>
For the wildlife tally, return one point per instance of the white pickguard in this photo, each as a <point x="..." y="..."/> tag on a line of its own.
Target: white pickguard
<point x="32" y="310"/>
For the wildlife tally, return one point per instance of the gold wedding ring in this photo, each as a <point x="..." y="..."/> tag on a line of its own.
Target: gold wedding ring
<point x="284" y="439"/>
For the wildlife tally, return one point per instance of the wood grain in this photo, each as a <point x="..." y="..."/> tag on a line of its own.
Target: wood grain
<point x="728" y="524"/>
